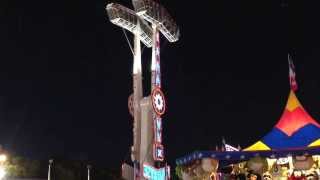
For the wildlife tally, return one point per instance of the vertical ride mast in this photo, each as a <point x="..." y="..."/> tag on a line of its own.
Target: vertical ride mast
<point x="147" y="111"/>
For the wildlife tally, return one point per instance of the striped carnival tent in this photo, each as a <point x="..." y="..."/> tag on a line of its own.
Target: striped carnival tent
<point x="296" y="133"/>
<point x="296" y="129"/>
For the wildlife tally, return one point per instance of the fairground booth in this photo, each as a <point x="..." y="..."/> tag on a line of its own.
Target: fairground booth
<point x="289" y="151"/>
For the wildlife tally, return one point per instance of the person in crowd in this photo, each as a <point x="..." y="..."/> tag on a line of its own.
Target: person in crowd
<point x="241" y="176"/>
<point x="254" y="176"/>
<point x="297" y="175"/>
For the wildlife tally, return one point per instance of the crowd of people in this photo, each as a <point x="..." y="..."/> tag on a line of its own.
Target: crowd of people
<point x="297" y="168"/>
<point x="295" y="175"/>
<point x="257" y="168"/>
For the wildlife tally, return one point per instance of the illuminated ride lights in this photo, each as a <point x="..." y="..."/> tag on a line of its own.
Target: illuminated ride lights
<point x="145" y="22"/>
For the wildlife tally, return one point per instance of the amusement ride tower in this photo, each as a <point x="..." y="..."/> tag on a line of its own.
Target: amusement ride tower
<point x="145" y="22"/>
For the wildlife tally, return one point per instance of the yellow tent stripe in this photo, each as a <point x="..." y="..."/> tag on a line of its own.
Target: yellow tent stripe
<point x="315" y="143"/>
<point x="258" y="146"/>
<point x="293" y="102"/>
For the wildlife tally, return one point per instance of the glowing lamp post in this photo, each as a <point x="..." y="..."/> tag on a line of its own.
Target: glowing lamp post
<point x="2" y="172"/>
<point x="49" y="170"/>
<point x="89" y="168"/>
<point x="3" y="158"/>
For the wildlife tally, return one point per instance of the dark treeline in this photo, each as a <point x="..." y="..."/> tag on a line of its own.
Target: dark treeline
<point x="62" y="169"/>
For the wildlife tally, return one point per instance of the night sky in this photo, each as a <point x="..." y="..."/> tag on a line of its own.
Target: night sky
<point x="65" y="75"/>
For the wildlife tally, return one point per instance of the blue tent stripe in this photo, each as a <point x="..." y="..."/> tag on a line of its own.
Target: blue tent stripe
<point x="276" y="139"/>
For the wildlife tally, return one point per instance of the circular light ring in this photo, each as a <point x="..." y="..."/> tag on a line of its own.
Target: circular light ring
<point x="130" y="105"/>
<point x="158" y="101"/>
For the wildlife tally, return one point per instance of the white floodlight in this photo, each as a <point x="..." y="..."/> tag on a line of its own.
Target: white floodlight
<point x="156" y="14"/>
<point x="127" y="19"/>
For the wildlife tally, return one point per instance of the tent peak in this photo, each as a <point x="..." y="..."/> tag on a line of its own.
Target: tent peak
<point x="294" y="116"/>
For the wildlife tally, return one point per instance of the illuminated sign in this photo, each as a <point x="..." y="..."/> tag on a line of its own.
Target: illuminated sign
<point x="158" y="130"/>
<point x="152" y="173"/>
<point x="158" y="152"/>
<point x="158" y="101"/>
<point x="158" y="72"/>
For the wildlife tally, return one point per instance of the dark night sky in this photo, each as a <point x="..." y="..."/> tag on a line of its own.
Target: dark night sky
<point x="65" y="75"/>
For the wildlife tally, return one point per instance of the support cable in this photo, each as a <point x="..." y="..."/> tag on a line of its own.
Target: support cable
<point x="129" y="43"/>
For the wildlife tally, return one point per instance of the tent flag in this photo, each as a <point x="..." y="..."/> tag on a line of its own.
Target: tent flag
<point x="230" y="148"/>
<point x="292" y="75"/>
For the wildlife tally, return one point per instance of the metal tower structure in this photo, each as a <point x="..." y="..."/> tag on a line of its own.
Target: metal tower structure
<point x="127" y="19"/>
<point x="148" y="19"/>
